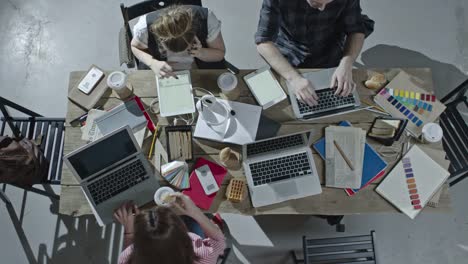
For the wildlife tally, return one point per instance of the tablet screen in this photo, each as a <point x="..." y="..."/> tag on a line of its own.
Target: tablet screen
<point x="265" y="87"/>
<point x="175" y="95"/>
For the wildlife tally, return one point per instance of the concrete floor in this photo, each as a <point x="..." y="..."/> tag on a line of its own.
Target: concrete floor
<point x="43" y="40"/>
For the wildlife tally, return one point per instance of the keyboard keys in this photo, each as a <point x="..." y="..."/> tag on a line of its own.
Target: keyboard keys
<point x="275" y="144"/>
<point x="327" y="100"/>
<point x="264" y="172"/>
<point x="119" y="181"/>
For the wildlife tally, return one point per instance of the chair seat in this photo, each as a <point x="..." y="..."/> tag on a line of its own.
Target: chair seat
<point x="50" y="133"/>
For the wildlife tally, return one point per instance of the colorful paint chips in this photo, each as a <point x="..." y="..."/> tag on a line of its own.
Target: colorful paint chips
<point x="411" y="182"/>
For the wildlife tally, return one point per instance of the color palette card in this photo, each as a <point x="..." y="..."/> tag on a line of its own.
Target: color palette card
<point x="412" y="182"/>
<point x="405" y="86"/>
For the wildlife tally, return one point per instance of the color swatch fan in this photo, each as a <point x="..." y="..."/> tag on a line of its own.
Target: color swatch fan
<point x="404" y="98"/>
<point x="176" y="173"/>
<point x="412" y="182"/>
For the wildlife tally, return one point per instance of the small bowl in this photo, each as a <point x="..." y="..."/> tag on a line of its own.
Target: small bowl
<point x="161" y="193"/>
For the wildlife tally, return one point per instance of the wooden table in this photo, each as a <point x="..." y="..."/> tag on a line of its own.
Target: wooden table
<point x="330" y="202"/>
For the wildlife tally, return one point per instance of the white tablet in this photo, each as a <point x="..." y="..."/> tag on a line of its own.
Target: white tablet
<point x="265" y="88"/>
<point x="175" y="95"/>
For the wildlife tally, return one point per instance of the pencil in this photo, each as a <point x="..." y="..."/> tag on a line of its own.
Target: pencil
<point x="374" y="106"/>
<point x="155" y="135"/>
<point x="350" y="164"/>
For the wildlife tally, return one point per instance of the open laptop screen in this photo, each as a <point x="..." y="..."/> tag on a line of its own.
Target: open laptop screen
<point x="102" y="154"/>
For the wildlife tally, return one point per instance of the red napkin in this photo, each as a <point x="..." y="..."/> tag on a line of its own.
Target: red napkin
<point x="196" y="192"/>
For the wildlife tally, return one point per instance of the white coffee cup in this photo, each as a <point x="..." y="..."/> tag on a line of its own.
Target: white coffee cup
<point x="227" y="82"/>
<point x="432" y="133"/>
<point x="160" y="193"/>
<point x="117" y="81"/>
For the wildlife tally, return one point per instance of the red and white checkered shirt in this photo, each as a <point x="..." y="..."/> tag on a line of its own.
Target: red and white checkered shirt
<point x="208" y="250"/>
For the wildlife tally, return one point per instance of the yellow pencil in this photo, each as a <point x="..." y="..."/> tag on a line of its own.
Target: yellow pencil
<point x="373" y="105"/>
<point x="153" y="141"/>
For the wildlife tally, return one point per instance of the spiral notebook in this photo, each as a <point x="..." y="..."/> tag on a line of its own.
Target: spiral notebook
<point x="412" y="182"/>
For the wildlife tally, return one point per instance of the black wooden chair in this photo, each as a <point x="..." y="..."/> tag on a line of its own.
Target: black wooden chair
<point x="351" y="249"/>
<point x="455" y="129"/>
<point x="35" y="126"/>
<point x="145" y="7"/>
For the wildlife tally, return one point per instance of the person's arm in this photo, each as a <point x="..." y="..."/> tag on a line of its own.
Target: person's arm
<point x="343" y="76"/>
<point x="161" y="68"/>
<point x="125" y="215"/>
<point x="357" y="27"/>
<point x="186" y="206"/>
<point x="267" y="31"/>
<point x="214" y="52"/>
<point x="303" y="88"/>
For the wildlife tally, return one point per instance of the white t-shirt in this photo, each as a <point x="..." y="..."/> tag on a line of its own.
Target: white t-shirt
<point x="178" y="61"/>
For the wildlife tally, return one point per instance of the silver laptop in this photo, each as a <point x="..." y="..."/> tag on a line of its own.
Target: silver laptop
<point x="280" y="169"/>
<point x="111" y="171"/>
<point x="328" y="104"/>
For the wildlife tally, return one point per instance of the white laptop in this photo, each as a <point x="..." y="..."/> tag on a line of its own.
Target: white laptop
<point x="111" y="171"/>
<point x="328" y="104"/>
<point x="280" y="169"/>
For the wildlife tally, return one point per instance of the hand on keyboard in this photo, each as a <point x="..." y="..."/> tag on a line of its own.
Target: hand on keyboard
<point x="342" y="79"/>
<point x="305" y="91"/>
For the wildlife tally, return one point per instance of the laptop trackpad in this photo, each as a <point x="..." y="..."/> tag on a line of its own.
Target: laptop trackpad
<point x="285" y="189"/>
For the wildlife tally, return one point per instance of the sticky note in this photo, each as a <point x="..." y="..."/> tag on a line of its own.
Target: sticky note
<point x="412" y="95"/>
<point x="410" y="180"/>
<point x="418" y="96"/>
<point x="406" y="94"/>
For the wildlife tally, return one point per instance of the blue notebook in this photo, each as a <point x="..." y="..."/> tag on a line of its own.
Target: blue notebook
<point x="374" y="164"/>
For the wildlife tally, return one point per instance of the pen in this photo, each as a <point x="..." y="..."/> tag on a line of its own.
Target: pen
<point x="83" y="116"/>
<point x="350" y="164"/>
<point x="374" y="106"/>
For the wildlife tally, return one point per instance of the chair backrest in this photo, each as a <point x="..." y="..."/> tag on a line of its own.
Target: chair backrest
<point x="145" y="7"/>
<point x="49" y="130"/>
<point x="455" y="129"/>
<point x="355" y="249"/>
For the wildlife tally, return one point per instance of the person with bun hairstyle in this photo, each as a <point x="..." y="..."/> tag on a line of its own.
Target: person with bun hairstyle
<point x="177" y="37"/>
<point x="162" y="236"/>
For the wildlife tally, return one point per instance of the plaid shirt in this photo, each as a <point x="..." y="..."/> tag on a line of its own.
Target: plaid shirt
<point x="307" y="36"/>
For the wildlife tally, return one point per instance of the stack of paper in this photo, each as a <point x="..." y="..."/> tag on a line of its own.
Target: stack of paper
<point x="176" y="173"/>
<point x="344" y="156"/>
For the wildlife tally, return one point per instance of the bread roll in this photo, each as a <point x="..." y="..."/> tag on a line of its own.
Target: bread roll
<point x="377" y="81"/>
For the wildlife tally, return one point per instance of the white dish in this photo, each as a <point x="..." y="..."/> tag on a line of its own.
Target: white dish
<point x="160" y="195"/>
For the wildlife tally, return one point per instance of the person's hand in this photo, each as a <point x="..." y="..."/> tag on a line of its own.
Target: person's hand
<point x="184" y="205"/>
<point x="342" y="79"/>
<point x="161" y="68"/>
<point x="195" y="49"/>
<point x="125" y="215"/>
<point x="305" y="91"/>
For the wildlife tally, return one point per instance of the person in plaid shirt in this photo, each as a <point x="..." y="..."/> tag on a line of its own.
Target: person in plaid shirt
<point x="312" y="34"/>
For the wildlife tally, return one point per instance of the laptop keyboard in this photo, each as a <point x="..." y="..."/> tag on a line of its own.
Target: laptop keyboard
<point x="275" y="144"/>
<point x="327" y="101"/>
<point x="279" y="169"/>
<point x="118" y="181"/>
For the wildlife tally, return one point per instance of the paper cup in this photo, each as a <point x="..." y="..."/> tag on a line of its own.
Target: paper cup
<point x="432" y="133"/>
<point x="227" y="82"/>
<point x="161" y="193"/>
<point x="117" y="81"/>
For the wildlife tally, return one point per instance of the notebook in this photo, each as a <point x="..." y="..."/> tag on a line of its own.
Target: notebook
<point x="412" y="182"/>
<point x="344" y="156"/>
<point x="196" y="192"/>
<point x="404" y="97"/>
<point x="374" y="166"/>
<point x="88" y="101"/>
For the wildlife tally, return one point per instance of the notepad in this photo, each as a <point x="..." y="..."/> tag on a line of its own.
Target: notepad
<point x="344" y="156"/>
<point x="374" y="164"/>
<point x="412" y="182"/>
